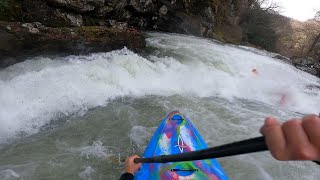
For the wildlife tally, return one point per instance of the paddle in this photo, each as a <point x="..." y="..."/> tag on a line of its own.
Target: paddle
<point x="241" y="147"/>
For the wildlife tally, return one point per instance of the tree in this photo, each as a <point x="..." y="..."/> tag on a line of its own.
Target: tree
<point x="256" y="24"/>
<point x="317" y="16"/>
<point x="317" y="37"/>
<point x="266" y="5"/>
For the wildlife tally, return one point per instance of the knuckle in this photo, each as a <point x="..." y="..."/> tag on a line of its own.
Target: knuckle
<point x="311" y="116"/>
<point x="292" y="123"/>
<point x="310" y="120"/>
<point x="304" y="153"/>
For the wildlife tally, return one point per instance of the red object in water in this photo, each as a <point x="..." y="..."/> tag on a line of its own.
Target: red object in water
<point x="254" y="71"/>
<point x="283" y="99"/>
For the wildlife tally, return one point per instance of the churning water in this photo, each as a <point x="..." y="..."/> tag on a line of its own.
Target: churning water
<point x="77" y="117"/>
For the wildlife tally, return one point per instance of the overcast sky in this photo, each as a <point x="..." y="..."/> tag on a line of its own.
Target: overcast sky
<point x="299" y="9"/>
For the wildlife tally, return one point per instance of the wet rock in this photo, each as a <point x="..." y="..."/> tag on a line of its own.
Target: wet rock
<point x="283" y="58"/>
<point x="40" y="11"/>
<point x="313" y="87"/>
<point x="309" y="70"/>
<point x="278" y="56"/>
<point x="80" y="6"/>
<point x="307" y="64"/>
<point x="103" y="11"/>
<point x="143" y="6"/>
<point x="30" y="28"/>
<point x="71" y="18"/>
<point x="195" y="17"/>
<point x="208" y="15"/>
<point x="119" y="25"/>
<point x="18" y="42"/>
<point x="163" y="10"/>
<point x="207" y="22"/>
<point x="303" y="61"/>
<point x="164" y="15"/>
<point x="191" y="17"/>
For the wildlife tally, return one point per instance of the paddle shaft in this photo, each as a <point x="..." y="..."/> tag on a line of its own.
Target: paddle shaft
<point x="237" y="148"/>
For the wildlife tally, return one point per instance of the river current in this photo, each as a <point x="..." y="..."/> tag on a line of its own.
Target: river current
<point x="78" y="117"/>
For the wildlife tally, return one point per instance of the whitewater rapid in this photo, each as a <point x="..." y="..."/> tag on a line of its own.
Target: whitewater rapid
<point x="42" y="91"/>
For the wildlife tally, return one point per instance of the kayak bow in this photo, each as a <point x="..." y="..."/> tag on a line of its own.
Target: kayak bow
<point x="176" y="134"/>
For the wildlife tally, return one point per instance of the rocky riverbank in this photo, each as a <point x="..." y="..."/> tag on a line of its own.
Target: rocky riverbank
<point x="21" y="40"/>
<point x="83" y="26"/>
<point x="35" y="27"/>
<point x="308" y="64"/>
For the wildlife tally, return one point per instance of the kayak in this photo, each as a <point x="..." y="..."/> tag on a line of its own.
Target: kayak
<point x="176" y="134"/>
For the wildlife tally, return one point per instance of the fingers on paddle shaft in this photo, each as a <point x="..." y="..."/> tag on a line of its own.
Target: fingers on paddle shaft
<point x="275" y="138"/>
<point x="136" y="160"/>
<point x="293" y="140"/>
<point x="298" y="144"/>
<point x="311" y="125"/>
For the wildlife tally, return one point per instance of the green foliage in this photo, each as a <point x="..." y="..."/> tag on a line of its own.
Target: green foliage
<point x="256" y="24"/>
<point x="10" y="10"/>
<point x="4" y="5"/>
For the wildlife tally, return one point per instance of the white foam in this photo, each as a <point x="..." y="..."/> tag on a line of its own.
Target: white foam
<point x="96" y="150"/>
<point x="86" y="173"/>
<point x="9" y="174"/>
<point x="40" y="90"/>
<point x="20" y="171"/>
<point x="141" y="135"/>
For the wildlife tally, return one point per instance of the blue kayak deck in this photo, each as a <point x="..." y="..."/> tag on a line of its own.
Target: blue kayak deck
<point x="175" y="135"/>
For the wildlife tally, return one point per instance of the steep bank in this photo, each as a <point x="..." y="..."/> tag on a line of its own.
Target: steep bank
<point x="207" y="18"/>
<point x="22" y="40"/>
<point x="197" y="17"/>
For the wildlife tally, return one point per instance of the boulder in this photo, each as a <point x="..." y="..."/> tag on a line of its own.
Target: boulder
<point x="79" y="6"/>
<point x="310" y="70"/>
<point x="143" y="6"/>
<point x="19" y="40"/>
<point x="303" y="61"/>
<point x="283" y="58"/>
<point x="40" y="11"/>
<point x="195" y="17"/>
<point x="307" y="64"/>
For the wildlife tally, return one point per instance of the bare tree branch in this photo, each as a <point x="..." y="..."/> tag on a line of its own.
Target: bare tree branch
<point x="266" y="5"/>
<point x="317" y="16"/>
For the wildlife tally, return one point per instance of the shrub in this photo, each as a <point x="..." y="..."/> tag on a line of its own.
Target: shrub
<point x="4" y="5"/>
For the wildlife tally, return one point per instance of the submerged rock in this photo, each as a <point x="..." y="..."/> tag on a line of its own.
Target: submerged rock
<point x="30" y="39"/>
<point x="307" y="64"/>
<point x="278" y="56"/>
